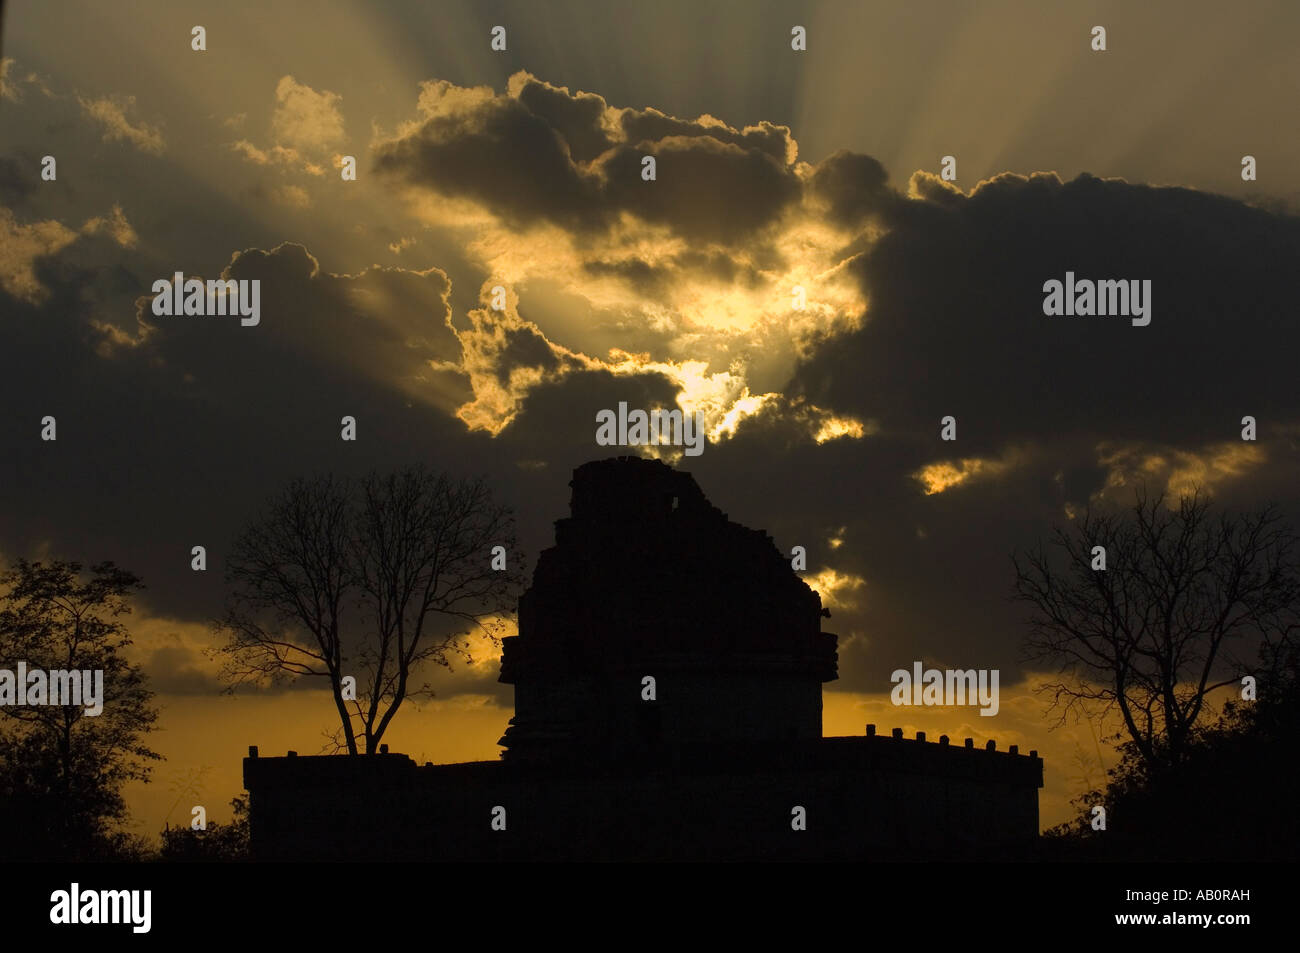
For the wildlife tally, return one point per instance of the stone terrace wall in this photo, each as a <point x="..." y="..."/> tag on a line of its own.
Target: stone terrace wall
<point x="869" y="798"/>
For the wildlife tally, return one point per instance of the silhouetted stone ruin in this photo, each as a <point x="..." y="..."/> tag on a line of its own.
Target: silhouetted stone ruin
<point x="667" y="675"/>
<point x="648" y="580"/>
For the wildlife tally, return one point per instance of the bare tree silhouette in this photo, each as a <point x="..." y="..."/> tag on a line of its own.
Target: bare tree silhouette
<point x="371" y="579"/>
<point x="1152" y="634"/>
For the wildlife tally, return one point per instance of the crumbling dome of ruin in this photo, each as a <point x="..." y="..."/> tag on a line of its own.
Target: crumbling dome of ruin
<point x="648" y="579"/>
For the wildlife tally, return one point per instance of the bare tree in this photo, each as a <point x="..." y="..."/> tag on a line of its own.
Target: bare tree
<point x="1152" y="634"/>
<point x="370" y="579"/>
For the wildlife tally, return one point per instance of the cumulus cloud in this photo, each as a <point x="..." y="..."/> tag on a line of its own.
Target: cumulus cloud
<point x="717" y="273"/>
<point x="956" y="323"/>
<point x="1180" y="470"/>
<point x="282" y="156"/>
<point x="583" y="120"/>
<point x="8" y="86"/>
<point x="23" y="245"/>
<point x="492" y="149"/>
<point x="12" y="83"/>
<point x="305" y="118"/>
<point x="851" y="187"/>
<point x="115" y="225"/>
<point x="574" y="161"/>
<point x="505" y="356"/>
<point x="947" y="474"/>
<point x="306" y="129"/>
<point x="835" y="588"/>
<point x="388" y="325"/>
<point x="111" y="113"/>
<point x="20" y="246"/>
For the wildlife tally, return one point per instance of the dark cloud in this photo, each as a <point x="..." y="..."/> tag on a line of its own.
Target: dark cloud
<point x="502" y="155"/>
<point x="17" y="181"/>
<point x="577" y="117"/>
<point x="387" y="324"/>
<point x="852" y="187"/>
<point x="525" y="347"/>
<point x="178" y="670"/>
<point x="704" y="189"/>
<point x="175" y="438"/>
<point x="558" y="422"/>
<point x="650" y="126"/>
<point x="544" y="154"/>
<point x="956" y="324"/>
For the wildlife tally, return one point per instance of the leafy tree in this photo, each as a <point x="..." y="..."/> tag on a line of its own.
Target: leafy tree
<point x="1230" y="799"/>
<point x="61" y="769"/>
<point x="223" y="843"/>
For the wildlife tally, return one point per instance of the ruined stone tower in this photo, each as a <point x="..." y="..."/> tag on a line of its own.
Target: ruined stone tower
<point x="648" y="580"/>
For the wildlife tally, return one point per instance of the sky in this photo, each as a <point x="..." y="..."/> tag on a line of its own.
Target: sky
<point x="775" y="169"/>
